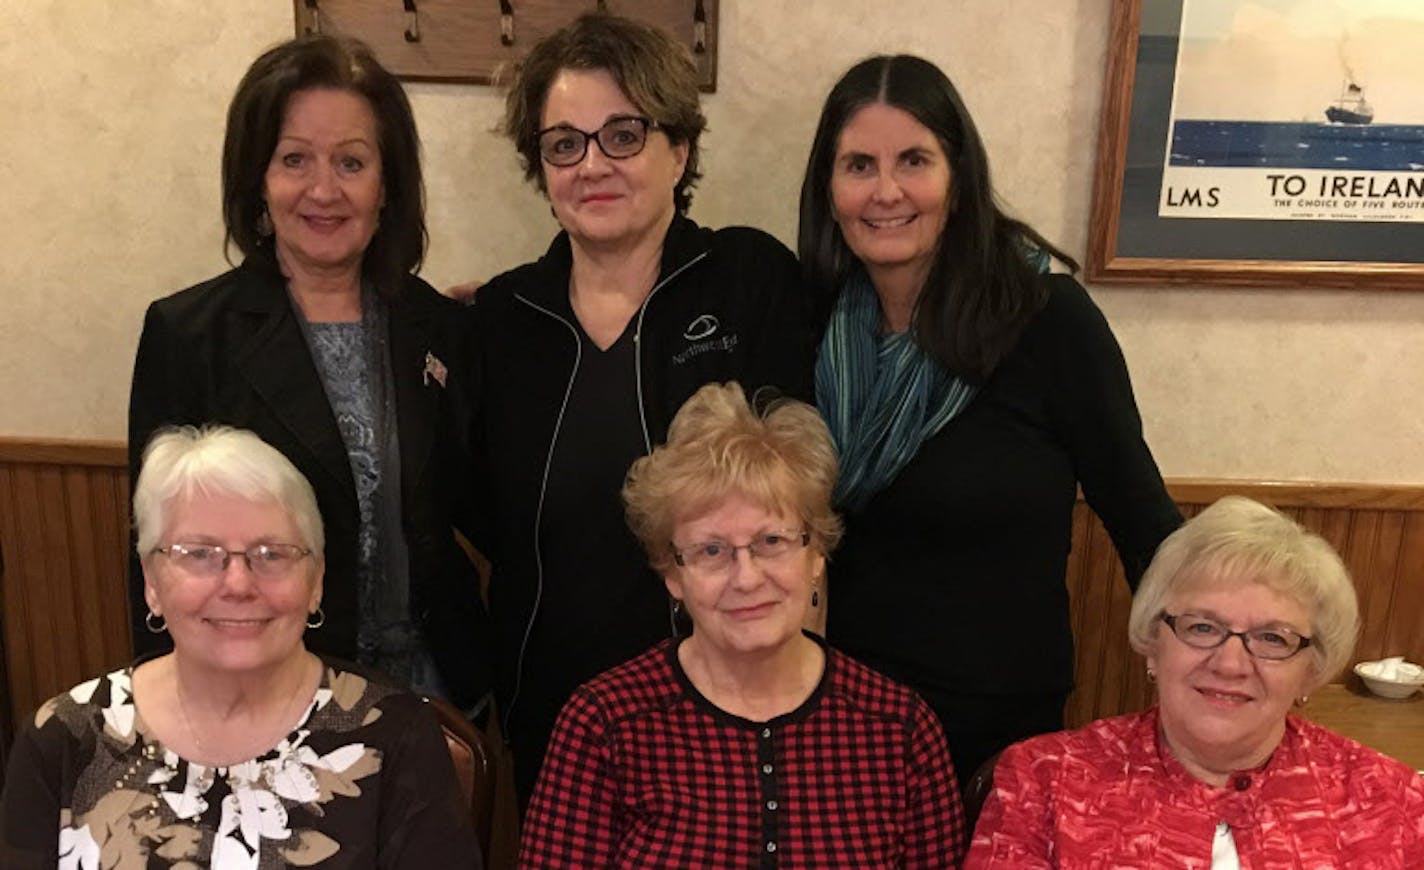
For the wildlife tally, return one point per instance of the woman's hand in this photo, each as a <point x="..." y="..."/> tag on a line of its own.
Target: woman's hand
<point x="464" y="292"/>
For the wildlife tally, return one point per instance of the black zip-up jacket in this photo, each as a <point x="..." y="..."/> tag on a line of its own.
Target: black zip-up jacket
<point x="728" y="305"/>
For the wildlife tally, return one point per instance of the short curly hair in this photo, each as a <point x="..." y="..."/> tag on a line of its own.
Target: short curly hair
<point x="654" y="71"/>
<point x="1237" y="541"/>
<point x="780" y="457"/>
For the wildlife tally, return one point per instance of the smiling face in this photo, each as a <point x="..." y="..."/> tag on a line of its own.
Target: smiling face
<point x="1223" y="709"/>
<point x="235" y="622"/>
<point x="890" y="190"/>
<point x="757" y="604"/>
<point x="601" y="201"/>
<point x="323" y="185"/>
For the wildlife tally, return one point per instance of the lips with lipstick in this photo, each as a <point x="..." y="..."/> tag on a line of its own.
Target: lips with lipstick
<point x="889" y="223"/>
<point x="324" y="223"/>
<point x="1225" y="696"/>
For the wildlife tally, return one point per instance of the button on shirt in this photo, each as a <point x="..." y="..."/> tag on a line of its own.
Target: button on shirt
<point x="643" y="771"/>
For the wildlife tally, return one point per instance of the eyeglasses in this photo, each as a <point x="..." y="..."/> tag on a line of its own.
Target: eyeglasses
<point x="1273" y="644"/>
<point x="716" y="557"/>
<point x="618" y="139"/>
<point x="267" y="561"/>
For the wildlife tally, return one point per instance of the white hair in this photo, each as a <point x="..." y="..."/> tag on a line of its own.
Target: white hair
<point x="219" y="460"/>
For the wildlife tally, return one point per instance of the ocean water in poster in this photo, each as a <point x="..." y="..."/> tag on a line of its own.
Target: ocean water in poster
<point x="1297" y="109"/>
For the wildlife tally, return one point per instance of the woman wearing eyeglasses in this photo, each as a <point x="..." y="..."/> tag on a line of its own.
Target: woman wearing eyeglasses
<point x="582" y="357"/>
<point x="239" y="750"/>
<point x="1241" y="615"/>
<point x="749" y="742"/>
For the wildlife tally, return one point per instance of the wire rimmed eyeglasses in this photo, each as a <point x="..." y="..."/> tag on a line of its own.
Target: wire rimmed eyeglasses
<point x="715" y="556"/>
<point x="619" y="139"/>
<point x="1271" y="643"/>
<point x="211" y="560"/>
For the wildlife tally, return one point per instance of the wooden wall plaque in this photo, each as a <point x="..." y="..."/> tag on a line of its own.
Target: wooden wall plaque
<point x="470" y="40"/>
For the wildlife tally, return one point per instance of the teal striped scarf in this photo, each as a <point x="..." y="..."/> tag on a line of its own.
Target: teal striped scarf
<point x="881" y="395"/>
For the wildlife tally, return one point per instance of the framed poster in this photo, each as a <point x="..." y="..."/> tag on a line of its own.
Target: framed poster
<point x="1262" y="142"/>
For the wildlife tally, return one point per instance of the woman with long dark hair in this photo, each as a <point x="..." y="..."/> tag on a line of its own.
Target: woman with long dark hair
<point x="970" y="393"/>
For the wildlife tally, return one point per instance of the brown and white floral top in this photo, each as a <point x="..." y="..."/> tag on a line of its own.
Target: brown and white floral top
<point x="364" y="781"/>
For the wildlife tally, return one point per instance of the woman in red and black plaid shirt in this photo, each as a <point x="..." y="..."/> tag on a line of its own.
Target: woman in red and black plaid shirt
<point x="749" y="742"/>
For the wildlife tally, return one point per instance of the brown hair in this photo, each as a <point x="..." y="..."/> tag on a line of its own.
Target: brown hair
<point x="254" y="122"/>
<point x="780" y="457"/>
<point x="654" y="71"/>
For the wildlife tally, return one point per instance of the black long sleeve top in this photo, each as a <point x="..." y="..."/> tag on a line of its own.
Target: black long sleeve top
<point x="953" y="576"/>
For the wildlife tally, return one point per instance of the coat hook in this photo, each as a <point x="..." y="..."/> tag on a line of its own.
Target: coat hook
<point x="506" y="22"/>
<point x="699" y="28"/>
<point x="412" y="28"/>
<point x="315" y="12"/>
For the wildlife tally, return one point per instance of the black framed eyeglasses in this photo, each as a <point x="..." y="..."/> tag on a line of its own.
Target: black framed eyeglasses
<point x="714" y="557"/>
<point x="1272" y="644"/>
<point x="618" y="139"/>
<point x="210" y="560"/>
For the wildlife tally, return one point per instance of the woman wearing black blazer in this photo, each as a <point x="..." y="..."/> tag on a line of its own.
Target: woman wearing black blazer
<point x="324" y="344"/>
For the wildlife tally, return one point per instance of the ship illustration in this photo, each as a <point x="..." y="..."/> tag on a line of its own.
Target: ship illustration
<point x="1351" y="107"/>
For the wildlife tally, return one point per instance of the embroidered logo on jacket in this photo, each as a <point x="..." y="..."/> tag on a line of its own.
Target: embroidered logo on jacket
<point x="724" y="343"/>
<point x="701" y="327"/>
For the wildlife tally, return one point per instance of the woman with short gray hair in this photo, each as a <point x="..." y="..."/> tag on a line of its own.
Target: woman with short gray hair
<point x="239" y="749"/>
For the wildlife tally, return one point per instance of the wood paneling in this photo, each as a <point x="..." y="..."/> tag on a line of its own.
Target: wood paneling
<point x="1378" y="530"/>
<point x="64" y="540"/>
<point x="63" y="566"/>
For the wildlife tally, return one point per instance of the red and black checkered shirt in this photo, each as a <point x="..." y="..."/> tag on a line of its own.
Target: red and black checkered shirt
<point x="643" y="771"/>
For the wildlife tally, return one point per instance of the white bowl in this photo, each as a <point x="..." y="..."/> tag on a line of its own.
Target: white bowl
<point x="1400" y="680"/>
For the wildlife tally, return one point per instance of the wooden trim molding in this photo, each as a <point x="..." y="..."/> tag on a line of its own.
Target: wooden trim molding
<point x="55" y="451"/>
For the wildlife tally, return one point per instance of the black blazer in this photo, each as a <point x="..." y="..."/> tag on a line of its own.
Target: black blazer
<point x="231" y="351"/>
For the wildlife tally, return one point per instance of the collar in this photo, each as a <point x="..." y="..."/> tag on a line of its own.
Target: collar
<point x="1243" y="788"/>
<point x="800" y="714"/>
<point x="685" y="241"/>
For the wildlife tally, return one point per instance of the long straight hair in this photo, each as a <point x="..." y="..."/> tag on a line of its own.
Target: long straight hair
<point x="981" y="288"/>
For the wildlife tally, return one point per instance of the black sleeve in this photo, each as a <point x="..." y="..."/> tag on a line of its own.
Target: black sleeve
<point x="29" y="808"/>
<point x="164" y="392"/>
<point x="1096" y="414"/>
<point x="473" y="503"/>
<point x="423" y="820"/>
<point x="782" y="354"/>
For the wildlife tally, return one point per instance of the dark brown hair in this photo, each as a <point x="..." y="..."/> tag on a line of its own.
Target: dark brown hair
<point x="654" y="71"/>
<point x="254" y="122"/>
<point x="982" y="288"/>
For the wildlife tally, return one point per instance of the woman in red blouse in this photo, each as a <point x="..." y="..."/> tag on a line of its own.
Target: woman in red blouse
<point x="1241" y="614"/>
<point x="748" y="743"/>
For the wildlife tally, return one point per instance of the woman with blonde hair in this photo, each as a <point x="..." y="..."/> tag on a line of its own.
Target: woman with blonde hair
<point x="750" y="741"/>
<point x="1240" y="616"/>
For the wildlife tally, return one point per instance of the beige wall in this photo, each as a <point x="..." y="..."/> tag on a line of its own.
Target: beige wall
<point x="112" y="118"/>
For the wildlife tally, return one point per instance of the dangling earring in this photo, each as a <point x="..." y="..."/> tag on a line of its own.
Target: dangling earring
<point x="676" y="608"/>
<point x="1151" y="676"/>
<point x="318" y="619"/>
<point x="158" y="627"/>
<point x="264" y="223"/>
<point x="815" y="595"/>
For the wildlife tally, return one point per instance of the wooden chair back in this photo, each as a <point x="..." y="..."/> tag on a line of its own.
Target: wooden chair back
<point x="474" y="767"/>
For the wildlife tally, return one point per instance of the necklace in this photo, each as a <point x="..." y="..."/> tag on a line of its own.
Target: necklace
<point x="288" y="710"/>
<point x="188" y="721"/>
